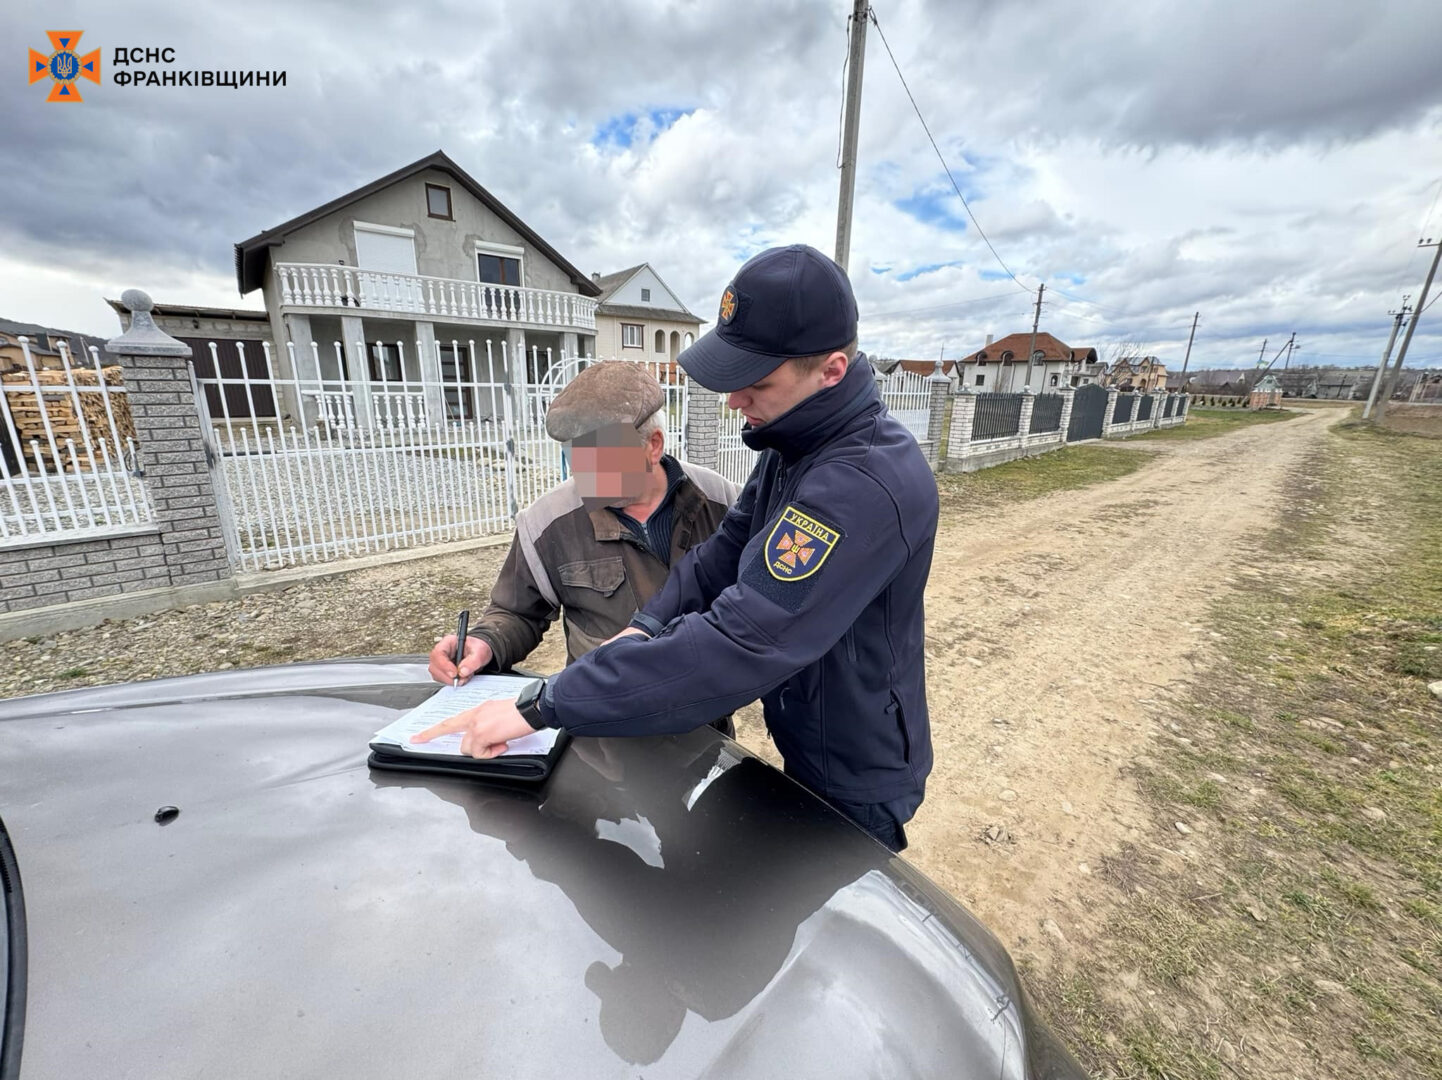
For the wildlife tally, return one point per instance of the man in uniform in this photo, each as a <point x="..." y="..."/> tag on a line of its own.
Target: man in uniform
<point x="596" y="547"/>
<point x="809" y="595"/>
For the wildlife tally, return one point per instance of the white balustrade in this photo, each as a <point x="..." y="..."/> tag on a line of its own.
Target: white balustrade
<point x="320" y="285"/>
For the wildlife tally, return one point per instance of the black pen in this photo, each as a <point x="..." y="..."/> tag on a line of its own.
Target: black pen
<point x="462" y="625"/>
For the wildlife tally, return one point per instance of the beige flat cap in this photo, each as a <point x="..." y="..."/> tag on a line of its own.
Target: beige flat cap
<point x="611" y="392"/>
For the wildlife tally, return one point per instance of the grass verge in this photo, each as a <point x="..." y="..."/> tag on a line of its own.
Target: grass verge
<point x="1209" y="423"/>
<point x="1031" y="478"/>
<point x="1292" y="924"/>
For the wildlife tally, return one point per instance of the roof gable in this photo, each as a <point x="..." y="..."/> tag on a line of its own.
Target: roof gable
<point x="1016" y="344"/>
<point x="623" y="289"/>
<point x="251" y="255"/>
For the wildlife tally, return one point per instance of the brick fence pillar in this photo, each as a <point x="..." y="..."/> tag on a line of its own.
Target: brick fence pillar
<point x="963" y="417"/>
<point x="1068" y="400"/>
<point x="1111" y="411"/>
<point x="703" y="425"/>
<point x="1023" y="422"/>
<point x="940" y="387"/>
<point x="172" y="447"/>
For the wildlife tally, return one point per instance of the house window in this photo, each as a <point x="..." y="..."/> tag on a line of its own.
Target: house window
<point x="500" y="264"/>
<point x="645" y="295"/>
<point x="385" y="362"/>
<point x="1053" y="380"/>
<point x="660" y="341"/>
<point x="497" y="269"/>
<point x="981" y="380"/>
<point x="456" y="377"/>
<point x="631" y="335"/>
<point x="438" y="201"/>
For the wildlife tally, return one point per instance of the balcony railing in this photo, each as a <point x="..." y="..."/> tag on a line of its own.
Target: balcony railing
<point x="312" y="285"/>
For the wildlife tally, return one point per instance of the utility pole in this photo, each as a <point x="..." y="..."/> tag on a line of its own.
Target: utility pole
<point x="1411" y="329"/>
<point x="1263" y="353"/>
<point x="1288" y="361"/>
<point x="1188" y="358"/>
<point x="860" y="16"/>
<point x="1397" y="317"/>
<point x="1035" y="322"/>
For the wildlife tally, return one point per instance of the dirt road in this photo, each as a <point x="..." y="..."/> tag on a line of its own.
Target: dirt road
<point x="1053" y="625"/>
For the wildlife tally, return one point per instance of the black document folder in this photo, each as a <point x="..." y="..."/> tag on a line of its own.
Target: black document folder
<point x="525" y="769"/>
<point x="522" y="769"/>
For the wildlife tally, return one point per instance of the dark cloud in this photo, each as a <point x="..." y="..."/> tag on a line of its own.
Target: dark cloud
<point x="730" y="113"/>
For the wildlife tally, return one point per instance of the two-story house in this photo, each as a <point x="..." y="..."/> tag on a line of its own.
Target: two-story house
<point x="414" y="274"/>
<point x="1003" y="366"/>
<point x="1143" y="374"/>
<point x="639" y="317"/>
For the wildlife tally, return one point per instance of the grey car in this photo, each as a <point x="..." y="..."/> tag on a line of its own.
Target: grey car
<point x="217" y="886"/>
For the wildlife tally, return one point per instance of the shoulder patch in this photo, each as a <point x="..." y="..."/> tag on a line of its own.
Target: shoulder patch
<point x="798" y="545"/>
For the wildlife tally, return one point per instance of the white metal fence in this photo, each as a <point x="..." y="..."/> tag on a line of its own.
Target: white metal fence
<point x="67" y="451"/>
<point x="318" y="468"/>
<point x="907" y="396"/>
<point x="734" y="459"/>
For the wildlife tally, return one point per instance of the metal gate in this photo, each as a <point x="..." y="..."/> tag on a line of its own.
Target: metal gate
<point x="1088" y="412"/>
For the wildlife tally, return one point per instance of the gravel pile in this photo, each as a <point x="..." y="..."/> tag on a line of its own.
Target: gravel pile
<point x="388" y="610"/>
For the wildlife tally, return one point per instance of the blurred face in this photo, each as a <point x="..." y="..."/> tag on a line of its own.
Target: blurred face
<point x="614" y="466"/>
<point x="785" y="388"/>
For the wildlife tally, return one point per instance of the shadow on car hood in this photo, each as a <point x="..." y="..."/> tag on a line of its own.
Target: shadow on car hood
<point x="665" y="906"/>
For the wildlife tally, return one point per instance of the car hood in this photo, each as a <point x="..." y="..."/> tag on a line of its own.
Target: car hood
<point x="666" y="906"/>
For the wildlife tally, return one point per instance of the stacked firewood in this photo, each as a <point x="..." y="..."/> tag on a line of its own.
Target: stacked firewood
<point x="58" y="405"/>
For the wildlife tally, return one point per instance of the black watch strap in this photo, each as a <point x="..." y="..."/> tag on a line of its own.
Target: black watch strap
<point x="528" y="704"/>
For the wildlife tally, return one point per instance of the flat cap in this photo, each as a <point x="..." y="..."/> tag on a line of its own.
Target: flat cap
<point x="611" y="392"/>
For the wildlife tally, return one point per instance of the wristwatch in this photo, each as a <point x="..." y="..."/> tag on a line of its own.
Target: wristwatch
<point x="528" y="704"/>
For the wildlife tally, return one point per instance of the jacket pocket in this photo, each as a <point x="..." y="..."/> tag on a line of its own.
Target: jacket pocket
<point x="851" y="643"/>
<point x="605" y="576"/>
<point x="898" y="716"/>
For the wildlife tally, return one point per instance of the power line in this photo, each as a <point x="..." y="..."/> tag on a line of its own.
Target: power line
<point x="939" y="307"/>
<point x="955" y="186"/>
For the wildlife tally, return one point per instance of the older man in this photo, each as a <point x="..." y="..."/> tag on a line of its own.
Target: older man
<point x="597" y="547"/>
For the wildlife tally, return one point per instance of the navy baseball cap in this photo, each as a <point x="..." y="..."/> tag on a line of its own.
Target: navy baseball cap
<point x="786" y="302"/>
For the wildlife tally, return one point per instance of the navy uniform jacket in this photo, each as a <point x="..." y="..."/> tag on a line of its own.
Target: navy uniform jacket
<point x="808" y="596"/>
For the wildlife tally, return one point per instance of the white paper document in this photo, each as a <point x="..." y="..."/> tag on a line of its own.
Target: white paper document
<point x="450" y="700"/>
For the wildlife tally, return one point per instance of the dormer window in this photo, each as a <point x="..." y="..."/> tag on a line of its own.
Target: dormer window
<point x="438" y="201"/>
<point x="645" y="296"/>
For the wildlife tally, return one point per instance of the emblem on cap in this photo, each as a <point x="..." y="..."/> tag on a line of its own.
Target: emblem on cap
<point x="728" y="305"/>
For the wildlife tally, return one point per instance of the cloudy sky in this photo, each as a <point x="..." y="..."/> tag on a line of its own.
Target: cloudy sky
<point x="1271" y="165"/>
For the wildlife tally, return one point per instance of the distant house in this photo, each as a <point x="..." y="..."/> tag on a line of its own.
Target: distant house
<point x="1143" y="374"/>
<point x="45" y="344"/>
<point x="1002" y="366"/>
<point x="1267" y="394"/>
<point x="926" y="368"/>
<point x="639" y="317"/>
<point x="1345" y="384"/>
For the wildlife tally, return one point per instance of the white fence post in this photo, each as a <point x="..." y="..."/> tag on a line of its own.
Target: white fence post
<point x="1023" y="423"/>
<point x="963" y="418"/>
